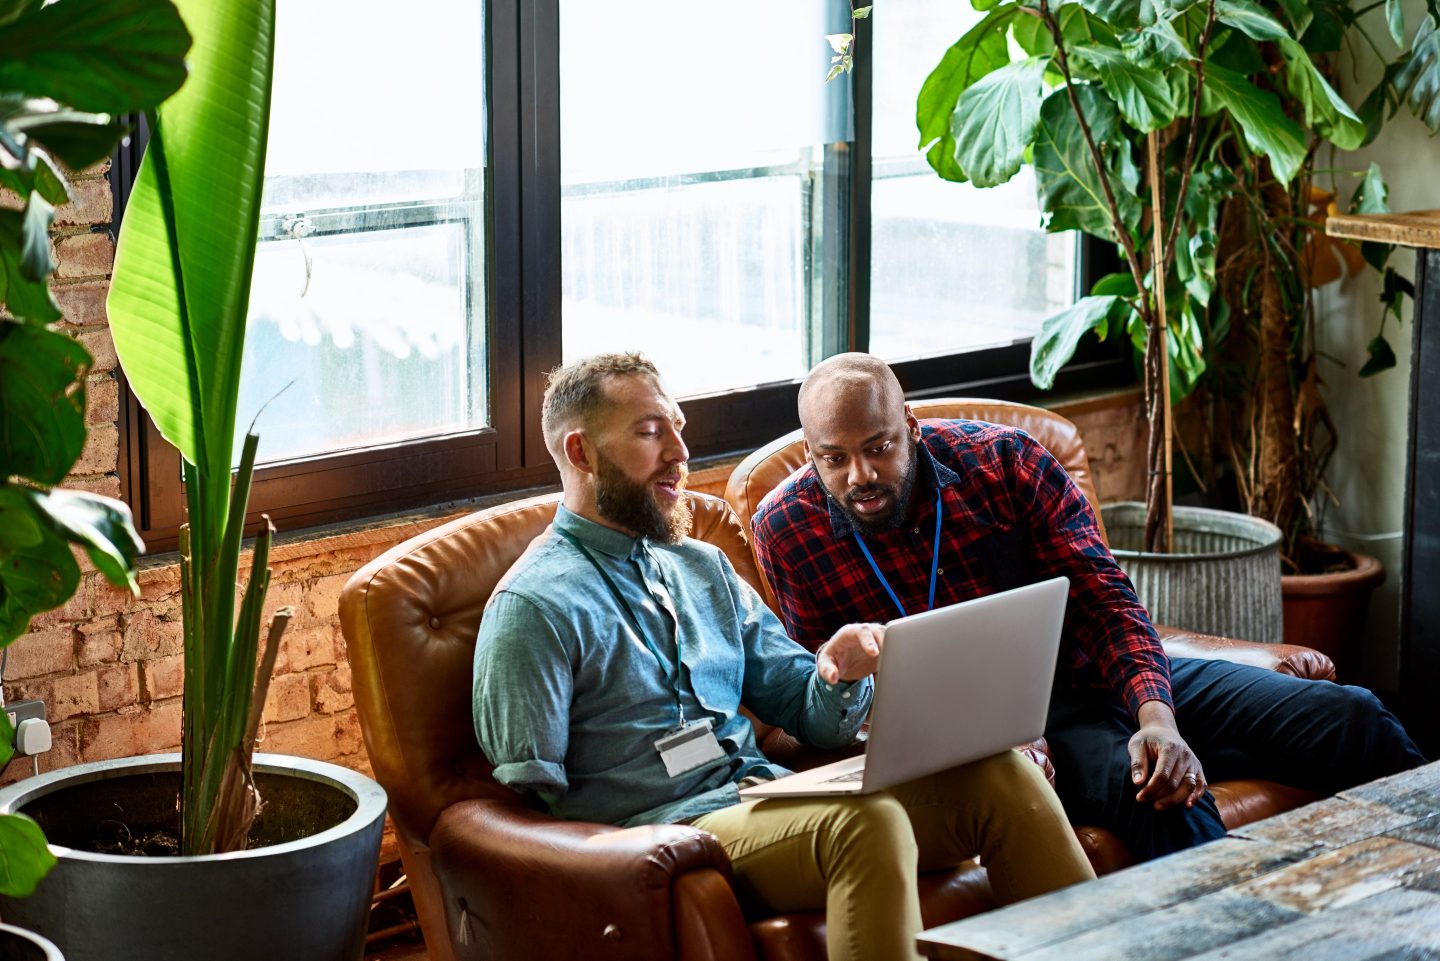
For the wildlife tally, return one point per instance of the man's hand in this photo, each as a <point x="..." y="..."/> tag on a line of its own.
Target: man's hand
<point x="851" y="654"/>
<point x="1176" y="777"/>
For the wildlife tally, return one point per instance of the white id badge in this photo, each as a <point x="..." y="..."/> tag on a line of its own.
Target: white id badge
<point x="688" y="747"/>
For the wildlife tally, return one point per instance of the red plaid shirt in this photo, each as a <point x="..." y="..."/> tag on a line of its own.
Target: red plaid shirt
<point x="1012" y="516"/>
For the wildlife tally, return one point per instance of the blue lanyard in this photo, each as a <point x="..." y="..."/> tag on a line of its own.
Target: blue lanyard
<point x="934" y="561"/>
<point x="671" y="679"/>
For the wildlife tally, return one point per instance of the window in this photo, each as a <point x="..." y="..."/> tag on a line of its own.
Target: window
<point x="952" y="267"/>
<point x="460" y="196"/>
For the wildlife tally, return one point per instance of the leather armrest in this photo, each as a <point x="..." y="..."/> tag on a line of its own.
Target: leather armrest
<point x="520" y="883"/>
<point x="1285" y="658"/>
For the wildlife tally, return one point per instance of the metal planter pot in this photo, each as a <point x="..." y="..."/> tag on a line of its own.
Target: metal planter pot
<point x="1223" y="578"/>
<point x="304" y="893"/>
<point x="17" y="944"/>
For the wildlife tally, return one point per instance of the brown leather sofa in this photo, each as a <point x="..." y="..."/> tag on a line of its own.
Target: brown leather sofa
<point x="495" y="877"/>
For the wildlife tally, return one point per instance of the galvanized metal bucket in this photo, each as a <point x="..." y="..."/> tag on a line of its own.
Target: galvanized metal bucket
<point x="1223" y="578"/>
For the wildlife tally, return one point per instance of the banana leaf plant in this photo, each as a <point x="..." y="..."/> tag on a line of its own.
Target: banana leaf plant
<point x="1185" y="132"/>
<point x="178" y="304"/>
<point x="68" y="71"/>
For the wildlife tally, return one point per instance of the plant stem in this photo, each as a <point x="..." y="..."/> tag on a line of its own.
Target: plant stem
<point x="1158" y="516"/>
<point x="1123" y="235"/>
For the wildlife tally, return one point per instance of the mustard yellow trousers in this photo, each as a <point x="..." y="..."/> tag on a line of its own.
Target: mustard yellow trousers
<point x="858" y="857"/>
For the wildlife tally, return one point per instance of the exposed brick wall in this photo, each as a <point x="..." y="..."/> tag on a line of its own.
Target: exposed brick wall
<point x="109" y="666"/>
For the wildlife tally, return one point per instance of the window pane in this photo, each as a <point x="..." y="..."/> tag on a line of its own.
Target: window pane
<point x="692" y="197"/>
<point x="368" y="295"/>
<point x="953" y="267"/>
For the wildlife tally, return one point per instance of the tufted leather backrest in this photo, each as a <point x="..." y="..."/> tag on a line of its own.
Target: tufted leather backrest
<point x="765" y="469"/>
<point x="410" y="619"/>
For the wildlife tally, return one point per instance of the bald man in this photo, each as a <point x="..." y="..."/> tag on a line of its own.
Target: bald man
<point x="892" y="515"/>
<point x="617" y="631"/>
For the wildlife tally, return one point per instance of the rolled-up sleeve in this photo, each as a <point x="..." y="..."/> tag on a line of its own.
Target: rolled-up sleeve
<point x="520" y="701"/>
<point x="782" y="686"/>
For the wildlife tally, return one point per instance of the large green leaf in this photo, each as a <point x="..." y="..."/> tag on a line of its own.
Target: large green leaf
<point x="181" y="287"/>
<point x="1260" y="117"/>
<point x="1419" y="80"/>
<point x="1158" y="45"/>
<point x="1299" y="14"/>
<point x="34" y="577"/>
<point x="1325" y="111"/>
<point x="25" y="858"/>
<point x="981" y="50"/>
<point x="42" y="380"/>
<point x="994" y="121"/>
<point x="108" y="56"/>
<point x="1060" y="334"/>
<point x="1068" y="184"/>
<point x="35" y="260"/>
<point x="78" y="138"/>
<point x="1144" y="96"/>
<point x="1250" y="19"/>
<point x="26" y="297"/>
<point x="101" y="525"/>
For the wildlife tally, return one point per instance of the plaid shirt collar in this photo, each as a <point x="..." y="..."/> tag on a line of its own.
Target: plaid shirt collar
<point x="930" y="475"/>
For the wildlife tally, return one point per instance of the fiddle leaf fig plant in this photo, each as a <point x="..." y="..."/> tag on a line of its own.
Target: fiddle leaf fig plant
<point x="1185" y="132"/>
<point x="61" y="97"/>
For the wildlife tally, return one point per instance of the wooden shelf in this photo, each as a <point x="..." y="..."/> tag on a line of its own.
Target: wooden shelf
<point x="1420" y="228"/>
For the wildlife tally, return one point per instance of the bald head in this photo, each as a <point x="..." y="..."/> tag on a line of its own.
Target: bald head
<point x="845" y="385"/>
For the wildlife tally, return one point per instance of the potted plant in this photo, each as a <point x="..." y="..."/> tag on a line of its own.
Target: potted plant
<point x="1155" y="126"/>
<point x="52" y="121"/>
<point x="271" y="856"/>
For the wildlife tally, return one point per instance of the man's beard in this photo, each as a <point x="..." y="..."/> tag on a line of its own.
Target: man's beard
<point x="634" y="506"/>
<point x="893" y="519"/>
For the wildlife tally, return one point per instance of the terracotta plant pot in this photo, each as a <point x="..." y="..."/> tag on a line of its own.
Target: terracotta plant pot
<point x="1327" y="611"/>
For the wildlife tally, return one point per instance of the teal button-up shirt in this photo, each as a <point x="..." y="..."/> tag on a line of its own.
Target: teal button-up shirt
<point x="569" y="700"/>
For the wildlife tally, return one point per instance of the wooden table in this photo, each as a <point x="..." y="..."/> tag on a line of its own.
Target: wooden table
<point x="1352" y="877"/>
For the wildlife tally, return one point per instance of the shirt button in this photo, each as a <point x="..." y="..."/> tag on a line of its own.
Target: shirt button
<point x="915" y="530"/>
<point x="939" y="570"/>
<point x="845" y="696"/>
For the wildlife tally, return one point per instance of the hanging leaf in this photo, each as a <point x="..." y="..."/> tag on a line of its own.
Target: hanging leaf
<point x="1068" y="184"/>
<point x="101" y="525"/>
<point x="1372" y="196"/>
<point x="107" y="56"/>
<point x="982" y="49"/>
<point x="1380" y="357"/>
<point x="995" y="119"/>
<point x="42" y="380"/>
<point x="34" y="577"/>
<point x="1250" y="19"/>
<point x="1143" y="95"/>
<point x="1060" y="334"/>
<point x="1119" y="285"/>
<point x="1260" y="117"/>
<point x="1325" y="111"/>
<point x="27" y="857"/>
<point x="1299" y="14"/>
<point x="1395" y="21"/>
<point x="1158" y="45"/>
<point x="26" y="297"/>
<point x="1418" y="82"/>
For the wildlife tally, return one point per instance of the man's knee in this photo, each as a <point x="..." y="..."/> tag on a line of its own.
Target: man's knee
<point x="870" y="825"/>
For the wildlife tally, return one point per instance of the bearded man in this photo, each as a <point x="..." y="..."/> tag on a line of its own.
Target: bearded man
<point x="892" y="517"/>
<point x="616" y="637"/>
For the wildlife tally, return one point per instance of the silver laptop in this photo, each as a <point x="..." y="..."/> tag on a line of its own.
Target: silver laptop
<point x="955" y="684"/>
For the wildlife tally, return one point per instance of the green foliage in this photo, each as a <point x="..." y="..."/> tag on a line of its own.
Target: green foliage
<point x="178" y="306"/>
<point x="66" y="70"/>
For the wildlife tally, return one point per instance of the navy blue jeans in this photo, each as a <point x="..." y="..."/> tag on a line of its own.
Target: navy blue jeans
<point x="1241" y="722"/>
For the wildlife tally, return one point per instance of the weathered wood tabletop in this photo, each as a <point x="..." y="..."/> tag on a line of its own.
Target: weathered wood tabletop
<point x="1353" y="877"/>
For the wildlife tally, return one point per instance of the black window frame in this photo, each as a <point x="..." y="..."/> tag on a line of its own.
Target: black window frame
<point x="523" y="289"/>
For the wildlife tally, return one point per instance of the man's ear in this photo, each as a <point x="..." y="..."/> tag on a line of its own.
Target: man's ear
<point x="912" y="423"/>
<point x="805" y="446"/>
<point x="577" y="451"/>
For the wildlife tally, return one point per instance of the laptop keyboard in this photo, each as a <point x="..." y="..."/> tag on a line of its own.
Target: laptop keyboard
<point x="845" y="778"/>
